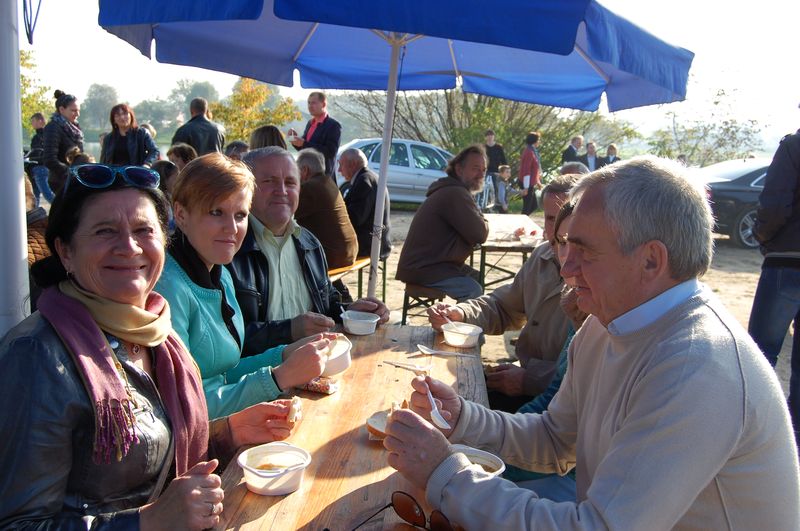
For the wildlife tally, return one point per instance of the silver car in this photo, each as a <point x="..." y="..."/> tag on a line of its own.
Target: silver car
<point x="413" y="165"/>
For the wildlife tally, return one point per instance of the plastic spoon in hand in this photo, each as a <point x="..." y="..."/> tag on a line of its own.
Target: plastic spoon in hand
<point x="437" y="417"/>
<point x="431" y="352"/>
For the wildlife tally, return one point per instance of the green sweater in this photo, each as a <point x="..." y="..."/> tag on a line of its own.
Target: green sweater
<point x="231" y="383"/>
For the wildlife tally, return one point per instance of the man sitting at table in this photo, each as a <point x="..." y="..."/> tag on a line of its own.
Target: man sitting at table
<point x="669" y="412"/>
<point x="530" y="302"/>
<point x="280" y="273"/>
<point x="446" y="228"/>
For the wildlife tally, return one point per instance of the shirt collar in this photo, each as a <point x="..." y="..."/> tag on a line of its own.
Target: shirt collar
<point x="263" y="232"/>
<point x="652" y="310"/>
<point x="321" y="119"/>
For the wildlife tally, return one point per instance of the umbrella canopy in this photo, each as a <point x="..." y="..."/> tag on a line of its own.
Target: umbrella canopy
<point x="564" y="53"/>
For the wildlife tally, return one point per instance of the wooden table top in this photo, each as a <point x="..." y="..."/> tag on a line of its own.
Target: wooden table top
<point x="348" y="478"/>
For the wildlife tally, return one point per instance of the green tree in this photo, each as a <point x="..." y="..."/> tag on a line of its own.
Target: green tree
<point x="247" y="108"/>
<point x="33" y="97"/>
<point x="188" y="89"/>
<point x="96" y="107"/>
<point x="159" y="113"/>
<point x="454" y="119"/>
<point x="709" y="139"/>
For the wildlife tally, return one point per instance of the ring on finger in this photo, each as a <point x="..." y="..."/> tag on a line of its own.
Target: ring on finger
<point x="216" y="509"/>
<point x="213" y="508"/>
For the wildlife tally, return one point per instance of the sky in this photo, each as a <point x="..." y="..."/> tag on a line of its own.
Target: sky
<point x="747" y="49"/>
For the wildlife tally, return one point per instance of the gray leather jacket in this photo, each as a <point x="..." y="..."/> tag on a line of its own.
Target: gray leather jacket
<point x="49" y="479"/>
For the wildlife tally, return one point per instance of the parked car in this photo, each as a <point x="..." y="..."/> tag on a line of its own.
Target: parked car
<point x="413" y="165"/>
<point x="733" y="189"/>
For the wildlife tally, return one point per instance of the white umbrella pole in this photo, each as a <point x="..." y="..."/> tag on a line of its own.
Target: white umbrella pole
<point x="14" y="263"/>
<point x="377" y="224"/>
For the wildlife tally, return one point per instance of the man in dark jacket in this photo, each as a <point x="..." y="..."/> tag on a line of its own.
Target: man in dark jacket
<point x="322" y="132"/>
<point x="202" y="134"/>
<point x="359" y="197"/>
<point x="38" y="171"/>
<point x="777" y="299"/>
<point x="280" y="273"/>
<point x="446" y="229"/>
<point x="571" y="153"/>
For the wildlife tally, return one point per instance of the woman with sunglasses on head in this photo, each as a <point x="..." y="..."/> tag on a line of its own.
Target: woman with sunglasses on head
<point x="60" y="134"/>
<point x="102" y="410"/>
<point x="211" y="201"/>
<point x="127" y="144"/>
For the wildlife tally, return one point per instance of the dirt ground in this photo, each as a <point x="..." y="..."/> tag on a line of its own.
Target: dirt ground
<point x="733" y="277"/>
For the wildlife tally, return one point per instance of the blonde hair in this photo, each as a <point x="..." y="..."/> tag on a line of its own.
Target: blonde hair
<point x="211" y="178"/>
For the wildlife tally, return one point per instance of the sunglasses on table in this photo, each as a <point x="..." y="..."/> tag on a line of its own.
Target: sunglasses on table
<point x="103" y="176"/>
<point x="407" y="508"/>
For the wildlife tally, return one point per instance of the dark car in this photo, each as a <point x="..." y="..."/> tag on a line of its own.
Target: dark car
<point x="733" y="189"/>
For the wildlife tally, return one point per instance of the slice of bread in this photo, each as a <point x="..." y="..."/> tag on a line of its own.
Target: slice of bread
<point x="376" y="424"/>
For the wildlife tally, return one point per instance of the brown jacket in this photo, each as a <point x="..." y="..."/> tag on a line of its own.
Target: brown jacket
<point x="323" y="212"/>
<point x="37" y="225"/>
<point x="531" y="302"/>
<point x="443" y="234"/>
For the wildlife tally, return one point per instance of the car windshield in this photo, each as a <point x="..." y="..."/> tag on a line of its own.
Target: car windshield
<point x="730" y="169"/>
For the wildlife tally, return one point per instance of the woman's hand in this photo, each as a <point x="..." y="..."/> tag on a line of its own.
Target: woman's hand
<point x="305" y="363"/>
<point x="191" y="501"/>
<point x="292" y="347"/>
<point x="446" y="400"/>
<point x="260" y="423"/>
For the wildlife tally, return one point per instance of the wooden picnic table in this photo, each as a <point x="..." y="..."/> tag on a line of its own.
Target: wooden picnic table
<point x="348" y="478"/>
<point x="502" y="241"/>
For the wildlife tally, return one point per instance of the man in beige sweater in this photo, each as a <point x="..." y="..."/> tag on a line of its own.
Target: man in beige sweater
<point x="670" y="414"/>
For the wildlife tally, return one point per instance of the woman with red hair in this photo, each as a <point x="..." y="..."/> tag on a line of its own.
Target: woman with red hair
<point x="127" y="144"/>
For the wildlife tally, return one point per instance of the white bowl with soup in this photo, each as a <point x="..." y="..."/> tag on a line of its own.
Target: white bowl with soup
<point x="462" y="335"/>
<point x="275" y="468"/>
<point x="359" y="323"/>
<point x="338" y="356"/>
<point x="488" y="462"/>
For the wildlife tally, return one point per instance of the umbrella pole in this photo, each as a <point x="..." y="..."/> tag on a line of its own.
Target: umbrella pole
<point x="14" y="264"/>
<point x="377" y="224"/>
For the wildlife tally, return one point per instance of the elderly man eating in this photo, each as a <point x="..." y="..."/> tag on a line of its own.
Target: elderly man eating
<point x="280" y="273"/>
<point x="669" y="413"/>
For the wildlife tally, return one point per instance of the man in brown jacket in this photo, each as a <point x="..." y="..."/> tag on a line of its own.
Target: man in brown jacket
<point x="446" y="229"/>
<point x="530" y="302"/>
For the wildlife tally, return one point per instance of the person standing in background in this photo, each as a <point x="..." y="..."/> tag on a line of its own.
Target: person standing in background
<point x="530" y="174"/>
<point x="571" y="153"/>
<point x="322" y="132"/>
<point x="590" y="158"/>
<point x="127" y="144"/>
<point x="60" y="134"/>
<point x="496" y="156"/>
<point x="777" y="299"/>
<point x="611" y="155"/>
<point x="201" y="133"/>
<point x="39" y="171"/>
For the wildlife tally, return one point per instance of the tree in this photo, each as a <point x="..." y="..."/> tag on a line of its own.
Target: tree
<point x="709" y="139"/>
<point x="159" y="113"/>
<point x="247" y="108"/>
<point x="96" y="107"/>
<point x="454" y="119"/>
<point x="33" y="98"/>
<point x="188" y="89"/>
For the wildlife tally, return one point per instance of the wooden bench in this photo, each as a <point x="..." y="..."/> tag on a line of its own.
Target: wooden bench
<point x="359" y="265"/>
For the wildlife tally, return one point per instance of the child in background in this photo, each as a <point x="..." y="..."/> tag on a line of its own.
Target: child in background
<point x="503" y="190"/>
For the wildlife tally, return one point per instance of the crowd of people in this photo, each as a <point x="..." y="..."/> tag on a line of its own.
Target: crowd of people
<point x="178" y="300"/>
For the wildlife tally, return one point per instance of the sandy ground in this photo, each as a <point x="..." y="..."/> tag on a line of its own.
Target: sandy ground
<point x="733" y="278"/>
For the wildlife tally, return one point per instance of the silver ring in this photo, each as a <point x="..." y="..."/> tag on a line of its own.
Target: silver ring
<point x="213" y="508"/>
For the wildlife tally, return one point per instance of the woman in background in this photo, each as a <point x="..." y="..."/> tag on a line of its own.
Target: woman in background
<point x="181" y="154"/>
<point x="60" y="134"/>
<point x="127" y="144"/>
<point x="265" y="136"/>
<point x="530" y="174"/>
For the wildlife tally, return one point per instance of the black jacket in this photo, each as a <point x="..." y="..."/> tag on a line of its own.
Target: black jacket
<point x="37" y="146"/>
<point x="200" y="133"/>
<point x="56" y="145"/>
<point x="250" y="272"/>
<point x="141" y="148"/>
<point x="325" y="140"/>
<point x="777" y="226"/>
<point x="360" y="197"/>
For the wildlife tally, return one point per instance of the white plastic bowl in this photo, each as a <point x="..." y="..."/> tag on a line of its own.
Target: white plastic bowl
<point x="488" y="461"/>
<point x="339" y="356"/>
<point x="360" y="323"/>
<point x="287" y="478"/>
<point x="461" y="334"/>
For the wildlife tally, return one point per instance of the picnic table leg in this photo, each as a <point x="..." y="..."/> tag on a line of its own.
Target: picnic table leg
<point x="482" y="275"/>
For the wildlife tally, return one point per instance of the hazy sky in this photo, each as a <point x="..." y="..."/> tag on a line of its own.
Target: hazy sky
<point x="747" y="49"/>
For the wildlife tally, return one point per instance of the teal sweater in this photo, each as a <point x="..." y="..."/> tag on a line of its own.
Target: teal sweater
<point x="231" y="383"/>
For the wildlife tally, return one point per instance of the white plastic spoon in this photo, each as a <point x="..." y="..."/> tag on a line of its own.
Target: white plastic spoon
<point x="437" y="417"/>
<point x="431" y="352"/>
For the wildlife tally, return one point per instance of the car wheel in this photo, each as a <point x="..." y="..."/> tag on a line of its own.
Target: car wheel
<point x="742" y="230"/>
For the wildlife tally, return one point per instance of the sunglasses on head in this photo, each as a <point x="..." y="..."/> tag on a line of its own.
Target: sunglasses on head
<point x="407" y="508"/>
<point x="103" y="176"/>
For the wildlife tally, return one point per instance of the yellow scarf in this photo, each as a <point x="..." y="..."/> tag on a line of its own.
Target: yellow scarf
<point x="125" y="321"/>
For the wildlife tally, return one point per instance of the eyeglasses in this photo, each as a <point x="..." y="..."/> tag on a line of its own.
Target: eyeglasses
<point x="407" y="508"/>
<point x="103" y="176"/>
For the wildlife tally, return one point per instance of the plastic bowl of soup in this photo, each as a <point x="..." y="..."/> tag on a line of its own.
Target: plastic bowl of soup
<point x="275" y="468"/>
<point x="461" y="334"/>
<point x="359" y="323"/>
<point x="338" y="356"/>
<point x="488" y="462"/>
